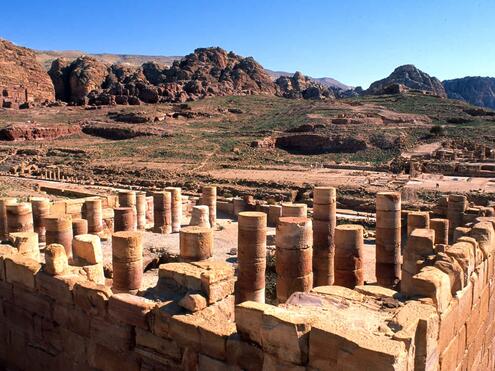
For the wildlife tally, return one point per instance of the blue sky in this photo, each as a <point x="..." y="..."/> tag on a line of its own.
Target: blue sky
<point x="354" y="41"/>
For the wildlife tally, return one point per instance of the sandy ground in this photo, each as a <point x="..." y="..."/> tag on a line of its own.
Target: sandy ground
<point x="338" y="177"/>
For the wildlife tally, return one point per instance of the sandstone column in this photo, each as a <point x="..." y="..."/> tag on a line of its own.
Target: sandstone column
<point x="79" y="226"/>
<point x="456" y="206"/>
<point x="200" y="216"/>
<point x="141" y="207"/>
<point x="26" y="243"/>
<point x="93" y="213"/>
<point x="41" y="209"/>
<point x="209" y="198"/>
<point x="295" y="210"/>
<point x="127" y="261"/>
<point x="388" y="238"/>
<point x="417" y="219"/>
<point x="4" y="201"/>
<point x="128" y="199"/>
<point x="441" y="228"/>
<point x="196" y="243"/>
<point x="176" y="197"/>
<point x="59" y="231"/>
<point x="251" y="257"/>
<point x="162" y="203"/>
<point x="150" y="218"/>
<point x="55" y="260"/>
<point x="123" y="219"/>
<point x="349" y="243"/>
<point x="20" y="218"/>
<point x="294" y="256"/>
<point x="274" y="213"/>
<point x="324" y="222"/>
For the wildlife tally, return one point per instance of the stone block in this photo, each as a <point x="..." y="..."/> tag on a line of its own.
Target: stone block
<point x="211" y="364"/>
<point x="272" y="363"/>
<point x="158" y="344"/>
<point x="185" y="330"/>
<point x="86" y="249"/>
<point x="249" y="319"/>
<point x="117" y="337"/>
<point x="72" y="318"/>
<point x="213" y="337"/>
<point x="92" y="298"/>
<point x="244" y="354"/>
<point x="193" y="302"/>
<point x="33" y="302"/>
<point x="58" y="287"/>
<point x="130" y="309"/>
<point x="104" y="358"/>
<point x="5" y="250"/>
<point x="21" y="270"/>
<point x="435" y="284"/>
<point x="220" y="290"/>
<point x="161" y="315"/>
<point x="285" y="334"/>
<point x="56" y="259"/>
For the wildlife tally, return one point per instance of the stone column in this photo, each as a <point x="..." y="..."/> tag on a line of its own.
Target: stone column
<point x="20" y="218"/>
<point x="294" y="210"/>
<point x="196" y="243"/>
<point x="176" y="196"/>
<point x="150" y="218"/>
<point x="274" y="213"/>
<point x="441" y="228"/>
<point x="4" y="201"/>
<point x="200" y="216"/>
<point x="127" y="261"/>
<point x="162" y="203"/>
<point x="251" y="257"/>
<point x="324" y="222"/>
<point x="123" y="219"/>
<point x="41" y="209"/>
<point x="457" y="204"/>
<point x="26" y="243"/>
<point x="59" y="231"/>
<point x="56" y="261"/>
<point x="388" y="238"/>
<point x="209" y="198"/>
<point x="294" y="256"/>
<point x="141" y="206"/>
<point x="417" y="219"/>
<point x="128" y="199"/>
<point x="79" y="226"/>
<point x="349" y="243"/>
<point x="93" y="213"/>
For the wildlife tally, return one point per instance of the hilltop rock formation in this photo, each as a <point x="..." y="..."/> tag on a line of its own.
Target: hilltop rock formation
<point x="407" y="77"/>
<point x="22" y="78"/>
<point x="300" y="86"/>
<point x="206" y="72"/>
<point x="476" y="90"/>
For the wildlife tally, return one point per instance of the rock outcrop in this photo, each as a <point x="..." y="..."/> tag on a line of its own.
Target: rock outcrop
<point x="22" y="78"/>
<point x="476" y="90"/>
<point x="407" y="77"/>
<point x="33" y="131"/>
<point x="300" y="86"/>
<point x="206" y="72"/>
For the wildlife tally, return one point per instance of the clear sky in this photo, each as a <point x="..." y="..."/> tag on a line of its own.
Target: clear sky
<point x="354" y="41"/>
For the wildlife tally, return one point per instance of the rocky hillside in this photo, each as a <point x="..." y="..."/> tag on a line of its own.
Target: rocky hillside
<point x="479" y="91"/>
<point x="407" y="77"/>
<point x="22" y="78"/>
<point x="205" y="72"/>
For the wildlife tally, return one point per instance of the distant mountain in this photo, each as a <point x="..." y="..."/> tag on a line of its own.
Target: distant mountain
<point x="46" y="57"/>
<point x="412" y="78"/>
<point x="325" y="81"/>
<point x="476" y="90"/>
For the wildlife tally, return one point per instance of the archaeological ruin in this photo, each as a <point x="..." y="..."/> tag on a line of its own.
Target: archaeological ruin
<point x="81" y="289"/>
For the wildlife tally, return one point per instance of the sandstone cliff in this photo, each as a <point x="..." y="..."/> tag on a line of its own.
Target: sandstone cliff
<point x="479" y="91"/>
<point x="410" y="77"/>
<point x="22" y="78"/>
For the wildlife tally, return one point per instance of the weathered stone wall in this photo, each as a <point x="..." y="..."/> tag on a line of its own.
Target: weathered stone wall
<point x="188" y="320"/>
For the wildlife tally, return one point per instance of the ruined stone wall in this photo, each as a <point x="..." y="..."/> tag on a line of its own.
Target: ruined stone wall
<point x="189" y="322"/>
